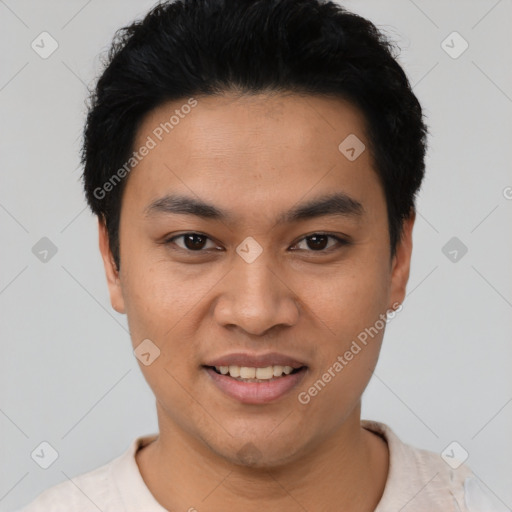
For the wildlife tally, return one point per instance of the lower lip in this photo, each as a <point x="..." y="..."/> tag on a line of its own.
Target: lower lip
<point x="256" y="392"/>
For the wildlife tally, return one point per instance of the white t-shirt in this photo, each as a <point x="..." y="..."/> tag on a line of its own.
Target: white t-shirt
<point x="418" y="481"/>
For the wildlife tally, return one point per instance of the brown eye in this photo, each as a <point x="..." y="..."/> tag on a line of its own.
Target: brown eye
<point x="193" y="242"/>
<point x="319" y="242"/>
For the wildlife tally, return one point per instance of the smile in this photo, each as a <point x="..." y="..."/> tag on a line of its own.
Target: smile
<point x="252" y="374"/>
<point x="255" y="385"/>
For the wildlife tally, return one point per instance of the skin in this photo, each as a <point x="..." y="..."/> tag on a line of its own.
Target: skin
<point x="256" y="157"/>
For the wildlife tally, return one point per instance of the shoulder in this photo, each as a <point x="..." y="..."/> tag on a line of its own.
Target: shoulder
<point x="85" y="492"/>
<point x="420" y="480"/>
<point x="113" y="487"/>
<point x="95" y="490"/>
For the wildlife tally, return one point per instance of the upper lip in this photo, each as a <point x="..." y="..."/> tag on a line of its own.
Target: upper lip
<point x="255" y="360"/>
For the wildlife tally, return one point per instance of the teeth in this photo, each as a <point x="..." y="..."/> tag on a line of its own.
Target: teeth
<point x="278" y="370"/>
<point x="246" y="372"/>
<point x="264" y="373"/>
<point x="234" y="371"/>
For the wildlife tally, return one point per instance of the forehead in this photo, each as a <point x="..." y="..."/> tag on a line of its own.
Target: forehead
<point x="229" y="122"/>
<point x="253" y="150"/>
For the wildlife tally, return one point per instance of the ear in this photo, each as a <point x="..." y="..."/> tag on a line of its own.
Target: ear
<point x="111" y="272"/>
<point x="401" y="262"/>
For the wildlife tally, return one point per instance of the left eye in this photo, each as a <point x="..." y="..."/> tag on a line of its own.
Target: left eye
<point x="319" y="242"/>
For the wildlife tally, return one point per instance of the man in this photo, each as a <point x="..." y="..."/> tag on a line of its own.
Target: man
<point x="253" y="166"/>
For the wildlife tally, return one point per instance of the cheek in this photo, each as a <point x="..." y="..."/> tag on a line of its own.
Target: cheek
<point x="334" y="392"/>
<point x="165" y="305"/>
<point x="349" y="307"/>
<point x="352" y="309"/>
<point x="159" y="303"/>
<point x="348" y="298"/>
<point x="159" y="295"/>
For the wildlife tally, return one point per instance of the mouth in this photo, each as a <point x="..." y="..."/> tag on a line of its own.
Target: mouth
<point x="255" y="374"/>
<point x="251" y="382"/>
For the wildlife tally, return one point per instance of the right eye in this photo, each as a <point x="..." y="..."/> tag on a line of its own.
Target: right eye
<point x="191" y="242"/>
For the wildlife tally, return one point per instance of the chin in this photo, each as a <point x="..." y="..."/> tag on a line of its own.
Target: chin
<point x="258" y="451"/>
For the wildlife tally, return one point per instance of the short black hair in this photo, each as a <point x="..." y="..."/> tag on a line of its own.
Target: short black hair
<point x="188" y="48"/>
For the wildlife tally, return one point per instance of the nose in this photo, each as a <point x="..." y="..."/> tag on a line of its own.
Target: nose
<point x="255" y="298"/>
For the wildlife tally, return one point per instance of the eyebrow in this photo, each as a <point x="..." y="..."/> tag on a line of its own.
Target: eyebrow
<point x="337" y="204"/>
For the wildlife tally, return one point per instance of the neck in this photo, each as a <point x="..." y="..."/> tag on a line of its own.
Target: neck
<point x="348" y="468"/>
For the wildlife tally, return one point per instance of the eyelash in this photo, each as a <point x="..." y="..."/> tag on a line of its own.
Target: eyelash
<point x="341" y="242"/>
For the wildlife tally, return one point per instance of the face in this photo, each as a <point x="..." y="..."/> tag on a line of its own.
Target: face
<point x="251" y="244"/>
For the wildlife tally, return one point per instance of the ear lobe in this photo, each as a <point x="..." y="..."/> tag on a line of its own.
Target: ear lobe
<point x="111" y="272"/>
<point x="402" y="261"/>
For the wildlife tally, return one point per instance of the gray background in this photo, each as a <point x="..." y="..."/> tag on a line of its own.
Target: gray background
<point x="67" y="372"/>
